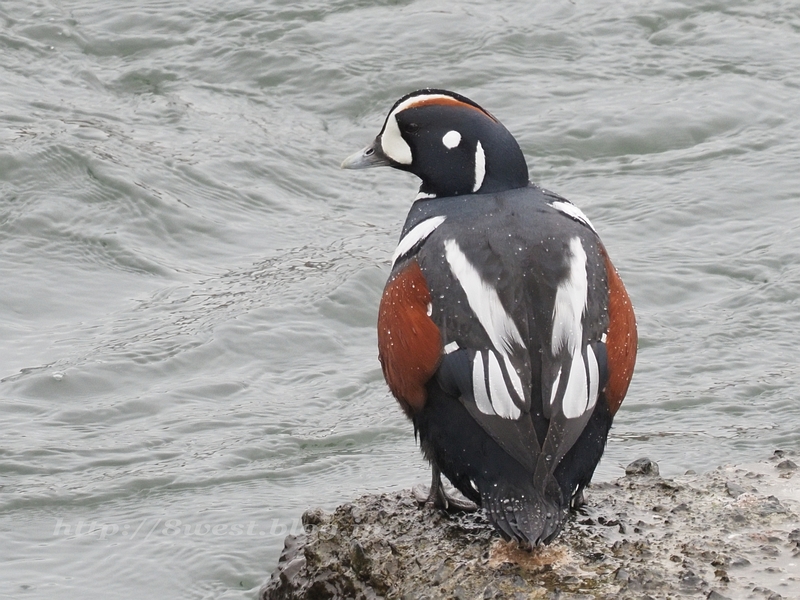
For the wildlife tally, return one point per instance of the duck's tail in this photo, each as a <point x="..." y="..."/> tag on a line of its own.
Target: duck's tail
<point x="527" y="516"/>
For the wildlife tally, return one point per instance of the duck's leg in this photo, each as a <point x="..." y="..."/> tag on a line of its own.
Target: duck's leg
<point x="578" y="500"/>
<point x="439" y="498"/>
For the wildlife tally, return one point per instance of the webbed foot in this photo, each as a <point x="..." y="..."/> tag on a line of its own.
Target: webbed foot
<point x="437" y="497"/>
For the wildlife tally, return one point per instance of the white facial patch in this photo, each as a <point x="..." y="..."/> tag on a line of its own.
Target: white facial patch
<point x="480" y="167"/>
<point x="418" y="233"/>
<point x="451" y="139"/>
<point x="393" y="144"/>
<point x="573" y="211"/>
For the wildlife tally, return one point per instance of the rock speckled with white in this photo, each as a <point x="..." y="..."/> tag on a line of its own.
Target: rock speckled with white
<point x="731" y="533"/>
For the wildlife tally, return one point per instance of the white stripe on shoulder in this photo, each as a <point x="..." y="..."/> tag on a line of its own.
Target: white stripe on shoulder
<point x="484" y="301"/>
<point x="501" y="400"/>
<point x="571" y="297"/>
<point x="418" y="233"/>
<point x="423" y="196"/>
<point x="569" y="209"/>
<point x="479" y="386"/>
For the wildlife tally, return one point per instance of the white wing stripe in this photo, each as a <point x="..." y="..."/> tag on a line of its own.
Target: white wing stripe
<point x="570" y="303"/>
<point x="594" y="377"/>
<point x="479" y="386"/>
<point x="554" y="390"/>
<point x="484" y="301"/>
<point x="581" y="391"/>
<point x="501" y="400"/>
<point x="514" y="377"/>
<point x="574" y="402"/>
<point x="417" y="234"/>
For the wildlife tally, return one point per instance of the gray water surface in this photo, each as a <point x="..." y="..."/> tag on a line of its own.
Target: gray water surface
<point x="189" y="284"/>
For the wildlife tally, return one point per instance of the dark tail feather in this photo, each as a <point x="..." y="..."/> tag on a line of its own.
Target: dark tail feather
<point x="526" y="517"/>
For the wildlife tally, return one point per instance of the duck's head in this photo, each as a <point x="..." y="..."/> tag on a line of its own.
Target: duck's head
<point x="452" y="144"/>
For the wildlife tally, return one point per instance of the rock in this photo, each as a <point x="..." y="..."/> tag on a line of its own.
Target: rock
<point x="734" y="489"/>
<point x="692" y="546"/>
<point x="642" y="466"/>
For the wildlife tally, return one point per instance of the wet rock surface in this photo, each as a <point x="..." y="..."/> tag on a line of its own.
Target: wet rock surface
<point x="731" y="533"/>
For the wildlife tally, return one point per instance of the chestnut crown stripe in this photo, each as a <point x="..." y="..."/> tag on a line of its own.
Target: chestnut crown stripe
<point x="431" y="97"/>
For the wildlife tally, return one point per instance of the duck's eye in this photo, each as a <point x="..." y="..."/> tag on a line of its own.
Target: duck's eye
<point x="412" y="127"/>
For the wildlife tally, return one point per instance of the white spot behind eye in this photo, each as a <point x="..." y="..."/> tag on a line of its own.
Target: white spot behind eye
<point x="451" y="139"/>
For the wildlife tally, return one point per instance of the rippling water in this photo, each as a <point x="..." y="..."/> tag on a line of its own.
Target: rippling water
<point x="189" y="282"/>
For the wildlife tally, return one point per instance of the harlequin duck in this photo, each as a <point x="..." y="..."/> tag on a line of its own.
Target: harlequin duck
<point x="504" y="331"/>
